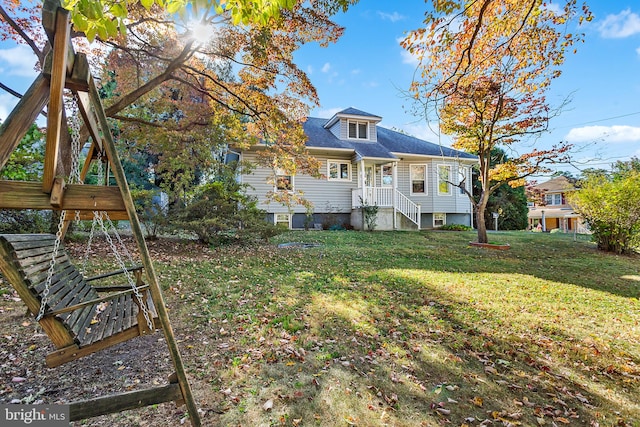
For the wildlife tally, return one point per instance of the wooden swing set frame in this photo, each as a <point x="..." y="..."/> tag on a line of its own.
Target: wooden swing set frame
<point x="66" y="69"/>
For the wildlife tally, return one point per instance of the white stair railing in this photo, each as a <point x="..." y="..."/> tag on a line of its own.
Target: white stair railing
<point x="386" y="197"/>
<point x="408" y="208"/>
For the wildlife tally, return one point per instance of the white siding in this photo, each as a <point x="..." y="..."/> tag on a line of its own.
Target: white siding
<point x="326" y="196"/>
<point x="336" y="128"/>
<point x="373" y="133"/>
<point x="432" y="201"/>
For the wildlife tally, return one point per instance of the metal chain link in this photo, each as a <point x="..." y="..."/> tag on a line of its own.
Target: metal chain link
<point x="52" y="265"/>
<point x="72" y="106"/>
<point x="123" y="247"/>
<point x="75" y="125"/>
<point x="87" y="249"/>
<point x="127" y="273"/>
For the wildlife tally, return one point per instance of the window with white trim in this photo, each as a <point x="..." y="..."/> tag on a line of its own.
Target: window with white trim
<point x="553" y="199"/>
<point x="444" y="176"/>
<point x="463" y="175"/>
<point x="283" y="181"/>
<point x="358" y="130"/>
<point x="418" y="175"/>
<point x="284" y="219"/>
<point x="338" y="171"/>
<point x="439" y="219"/>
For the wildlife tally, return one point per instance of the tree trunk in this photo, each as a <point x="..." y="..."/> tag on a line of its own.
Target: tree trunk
<point x="481" y="225"/>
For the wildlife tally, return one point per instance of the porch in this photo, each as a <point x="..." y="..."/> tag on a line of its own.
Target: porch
<point x="394" y="207"/>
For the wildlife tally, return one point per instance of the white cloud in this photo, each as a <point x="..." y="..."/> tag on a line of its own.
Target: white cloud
<point x="407" y="57"/>
<point x="18" y="61"/>
<point x="309" y="70"/>
<point x="356" y="71"/>
<point x="554" y="7"/>
<point x="604" y="133"/>
<point x="326" y="67"/>
<point x="329" y="112"/>
<point x="624" y="24"/>
<point x="393" y="17"/>
<point x="638" y="51"/>
<point x="7" y="102"/>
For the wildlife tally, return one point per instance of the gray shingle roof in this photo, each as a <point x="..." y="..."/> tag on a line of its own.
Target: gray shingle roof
<point x="355" y="112"/>
<point x="389" y="141"/>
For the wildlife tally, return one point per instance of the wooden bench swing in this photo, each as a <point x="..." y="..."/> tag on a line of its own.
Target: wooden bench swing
<point x="79" y="317"/>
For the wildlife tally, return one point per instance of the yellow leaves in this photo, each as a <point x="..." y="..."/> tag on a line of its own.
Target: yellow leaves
<point x="147" y="4"/>
<point x="478" y="401"/>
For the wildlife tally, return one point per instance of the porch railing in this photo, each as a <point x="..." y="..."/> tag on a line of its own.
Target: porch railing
<point x="386" y="197"/>
<point x="408" y="208"/>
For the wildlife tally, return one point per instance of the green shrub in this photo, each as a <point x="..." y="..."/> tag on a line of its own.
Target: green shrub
<point x="456" y="227"/>
<point x="24" y="221"/>
<point x="151" y="213"/>
<point x="220" y="213"/>
<point x="611" y="207"/>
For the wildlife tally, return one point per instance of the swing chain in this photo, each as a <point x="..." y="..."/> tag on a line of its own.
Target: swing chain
<point x="136" y="291"/>
<point x="87" y="249"/>
<point x="75" y="126"/>
<point x="52" y="266"/>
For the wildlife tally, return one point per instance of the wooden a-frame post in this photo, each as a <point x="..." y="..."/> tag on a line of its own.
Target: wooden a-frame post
<point x="66" y="69"/>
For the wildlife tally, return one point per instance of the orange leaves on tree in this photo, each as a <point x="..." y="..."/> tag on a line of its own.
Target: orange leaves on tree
<point x="485" y="67"/>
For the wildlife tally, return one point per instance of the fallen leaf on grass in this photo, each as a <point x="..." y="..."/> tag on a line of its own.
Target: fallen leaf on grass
<point x="443" y="411"/>
<point x="268" y="405"/>
<point x="477" y="401"/>
<point x="490" y="370"/>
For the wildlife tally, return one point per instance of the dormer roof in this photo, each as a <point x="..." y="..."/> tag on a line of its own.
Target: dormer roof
<point x="389" y="143"/>
<point x="352" y="113"/>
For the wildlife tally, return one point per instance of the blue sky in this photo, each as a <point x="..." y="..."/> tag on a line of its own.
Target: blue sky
<point x="368" y="69"/>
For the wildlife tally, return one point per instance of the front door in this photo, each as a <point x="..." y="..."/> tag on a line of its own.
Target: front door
<point x="369" y="177"/>
<point x="387" y="176"/>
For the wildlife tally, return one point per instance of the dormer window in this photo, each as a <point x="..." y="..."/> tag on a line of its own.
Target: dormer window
<point x="358" y="130"/>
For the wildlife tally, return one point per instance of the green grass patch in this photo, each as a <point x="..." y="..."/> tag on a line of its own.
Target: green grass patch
<point x="411" y="329"/>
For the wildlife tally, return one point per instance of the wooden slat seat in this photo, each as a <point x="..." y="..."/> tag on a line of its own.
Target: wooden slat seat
<point x="78" y="319"/>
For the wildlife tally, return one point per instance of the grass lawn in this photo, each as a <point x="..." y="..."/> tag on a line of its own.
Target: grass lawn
<point x="407" y="329"/>
<point x="413" y="329"/>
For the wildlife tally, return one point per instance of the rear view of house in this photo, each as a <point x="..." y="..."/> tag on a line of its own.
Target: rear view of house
<point x="413" y="182"/>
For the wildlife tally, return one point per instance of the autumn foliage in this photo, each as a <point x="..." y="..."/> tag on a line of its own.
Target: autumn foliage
<point x="182" y="97"/>
<point x="485" y="67"/>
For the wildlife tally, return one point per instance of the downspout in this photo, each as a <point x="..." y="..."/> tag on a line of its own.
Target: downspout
<point x="394" y="172"/>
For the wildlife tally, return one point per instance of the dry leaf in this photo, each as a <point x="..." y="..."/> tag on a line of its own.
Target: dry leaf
<point x="477" y="401"/>
<point x="490" y="370"/>
<point x="268" y="405"/>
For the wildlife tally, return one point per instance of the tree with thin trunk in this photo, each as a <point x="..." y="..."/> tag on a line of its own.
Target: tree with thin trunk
<point x="485" y="67"/>
<point x="190" y="79"/>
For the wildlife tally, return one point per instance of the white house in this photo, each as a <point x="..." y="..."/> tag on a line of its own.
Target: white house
<point x="410" y="180"/>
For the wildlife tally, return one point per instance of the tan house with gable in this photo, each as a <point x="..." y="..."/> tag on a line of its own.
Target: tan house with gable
<point x="555" y="212"/>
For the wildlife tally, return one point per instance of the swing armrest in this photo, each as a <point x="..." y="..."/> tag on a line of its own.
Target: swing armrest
<point x="93" y="302"/>
<point x="113" y="273"/>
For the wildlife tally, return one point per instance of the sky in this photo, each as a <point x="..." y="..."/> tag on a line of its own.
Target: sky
<point x="368" y="69"/>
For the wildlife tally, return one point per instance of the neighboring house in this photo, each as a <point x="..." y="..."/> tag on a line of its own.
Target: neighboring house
<point x="554" y="212"/>
<point x="410" y="180"/>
